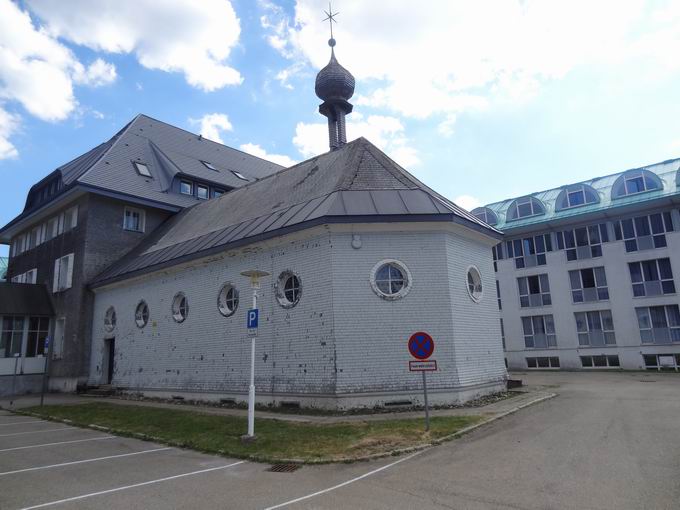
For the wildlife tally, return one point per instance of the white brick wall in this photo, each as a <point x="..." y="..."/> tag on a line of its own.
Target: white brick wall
<point x="340" y="341"/>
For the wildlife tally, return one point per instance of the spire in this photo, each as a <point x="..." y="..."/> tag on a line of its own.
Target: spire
<point x="334" y="85"/>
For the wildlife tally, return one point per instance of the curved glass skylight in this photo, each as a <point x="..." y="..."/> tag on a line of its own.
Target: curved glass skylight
<point x="635" y="181"/>
<point x="576" y="196"/>
<point x="524" y="208"/>
<point x="486" y="215"/>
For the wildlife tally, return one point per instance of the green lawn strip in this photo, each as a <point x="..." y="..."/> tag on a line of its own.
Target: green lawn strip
<point x="276" y="439"/>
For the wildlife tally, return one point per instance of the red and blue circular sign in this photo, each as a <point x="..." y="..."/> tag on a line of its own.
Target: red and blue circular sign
<point x="421" y="345"/>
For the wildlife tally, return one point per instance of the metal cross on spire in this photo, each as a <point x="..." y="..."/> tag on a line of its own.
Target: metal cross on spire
<point x="330" y="17"/>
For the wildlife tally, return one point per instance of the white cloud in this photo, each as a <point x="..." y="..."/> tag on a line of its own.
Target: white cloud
<point x="454" y="57"/>
<point x="98" y="73"/>
<point x="187" y="36"/>
<point x="467" y="202"/>
<point x="385" y="132"/>
<point x="258" y="151"/>
<point x="9" y="123"/>
<point x="212" y="124"/>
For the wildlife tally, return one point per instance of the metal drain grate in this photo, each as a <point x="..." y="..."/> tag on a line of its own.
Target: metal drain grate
<point x="284" y="468"/>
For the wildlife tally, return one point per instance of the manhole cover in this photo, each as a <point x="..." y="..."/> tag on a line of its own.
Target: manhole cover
<point x="284" y="468"/>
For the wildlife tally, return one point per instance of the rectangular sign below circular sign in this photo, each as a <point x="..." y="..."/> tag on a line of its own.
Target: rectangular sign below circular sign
<point x="422" y="366"/>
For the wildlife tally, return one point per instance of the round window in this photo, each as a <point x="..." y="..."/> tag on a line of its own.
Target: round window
<point x="180" y="307"/>
<point x="110" y="319"/>
<point x="288" y="289"/>
<point x="142" y="314"/>
<point x="227" y="300"/>
<point x="390" y="279"/>
<point x="474" y="284"/>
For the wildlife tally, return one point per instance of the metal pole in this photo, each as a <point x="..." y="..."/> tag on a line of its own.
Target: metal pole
<point x="251" y="390"/>
<point x="14" y="377"/>
<point x="427" y="407"/>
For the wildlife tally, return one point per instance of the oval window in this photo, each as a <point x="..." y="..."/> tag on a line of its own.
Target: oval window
<point x="390" y="279"/>
<point x="474" y="284"/>
<point x="180" y="307"/>
<point x="227" y="300"/>
<point x="110" y="319"/>
<point x="289" y="289"/>
<point x="142" y="314"/>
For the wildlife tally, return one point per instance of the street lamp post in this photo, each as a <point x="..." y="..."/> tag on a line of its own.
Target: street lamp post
<point x="252" y="324"/>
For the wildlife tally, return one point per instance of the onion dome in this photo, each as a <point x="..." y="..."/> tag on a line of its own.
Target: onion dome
<point x="334" y="82"/>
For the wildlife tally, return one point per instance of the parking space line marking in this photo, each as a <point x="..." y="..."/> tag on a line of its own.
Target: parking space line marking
<point x="329" y="489"/>
<point x="21" y="422"/>
<point x="83" y="461"/>
<point x="35" y="432"/>
<point x="167" y="478"/>
<point x="60" y="442"/>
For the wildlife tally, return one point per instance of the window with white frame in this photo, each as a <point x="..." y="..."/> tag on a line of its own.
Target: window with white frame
<point x="31" y="276"/>
<point x="583" y="242"/>
<point x="652" y="277"/>
<point x="38" y="330"/>
<point x="12" y="336"/>
<point x="497" y="254"/>
<point x="539" y="332"/>
<point x="474" y="284"/>
<point x="543" y="362"/>
<point x="141" y="314"/>
<point x="662" y="362"/>
<point x="644" y="232"/>
<point x="524" y="208"/>
<point x="635" y="181"/>
<point x="529" y="251"/>
<point x="202" y="192"/>
<point x="216" y="192"/>
<point x="134" y="219"/>
<point x="180" y="307"/>
<point x="227" y="300"/>
<point x="600" y="361"/>
<point x="534" y="291"/>
<point x="589" y="284"/>
<point x="288" y="289"/>
<point x="186" y="187"/>
<point x="110" y="319"/>
<point x="142" y="169"/>
<point x="63" y="273"/>
<point x="659" y="324"/>
<point x="486" y="215"/>
<point x="595" y="329"/>
<point x="390" y="279"/>
<point x="71" y="218"/>
<point x="52" y="228"/>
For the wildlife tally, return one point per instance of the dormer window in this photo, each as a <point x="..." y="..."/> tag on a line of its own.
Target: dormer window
<point x="217" y="192"/>
<point x="524" y="208"/>
<point x="209" y="165"/>
<point x="486" y="215"/>
<point x="202" y="192"/>
<point x="636" y="181"/>
<point x="186" y="188"/>
<point x="142" y="169"/>
<point x="239" y="175"/>
<point x="576" y="196"/>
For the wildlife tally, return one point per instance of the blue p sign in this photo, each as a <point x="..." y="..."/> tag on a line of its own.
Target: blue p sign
<point x="252" y="318"/>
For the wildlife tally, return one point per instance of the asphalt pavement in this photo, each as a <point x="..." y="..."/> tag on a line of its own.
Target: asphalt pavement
<point x="608" y="441"/>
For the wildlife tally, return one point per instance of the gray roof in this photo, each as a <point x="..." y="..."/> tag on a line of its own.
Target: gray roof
<point x="24" y="299"/>
<point x="168" y="151"/>
<point x="356" y="183"/>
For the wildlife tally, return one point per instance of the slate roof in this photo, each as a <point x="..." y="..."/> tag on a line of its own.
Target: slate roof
<point x="168" y="151"/>
<point x="24" y="299"/>
<point x="667" y="171"/>
<point x="355" y="183"/>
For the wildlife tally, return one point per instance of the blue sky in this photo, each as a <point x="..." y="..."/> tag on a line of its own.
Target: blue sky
<point x="481" y="100"/>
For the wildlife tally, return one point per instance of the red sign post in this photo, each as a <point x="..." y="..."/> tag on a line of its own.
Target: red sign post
<point x="421" y="347"/>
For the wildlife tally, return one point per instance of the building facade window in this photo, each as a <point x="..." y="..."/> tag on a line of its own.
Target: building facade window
<point x="186" y="187"/>
<point x="662" y="362"/>
<point x="588" y="285"/>
<point x="539" y="332"/>
<point x="600" y="361"/>
<point x="180" y="307"/>
<point x="134" y="219"/>
<point x="227" y="300"/>
<point x="534" y="291"/>
<point x="635" y="181"/>
<point x="498" y="295"/>
<point x="63" y="273"/>
<point x="503" y="336"/>
<point x="216" y="193"/>
<point x="390" y="279"/>
<point x="110" y="319"/>
<point x="595" y="329"/>
<point x="659" y="324"/>
<point x="583" y="242"/>
<point x="142" y="314"/>
<point x="543" y="362"/>
<point x="474" y="284"/>
<point x="529" y="251"/>
<point x="576" y="196"/>
<point x="497" y="254"/>
<point x="486" y="215"/>
<point x="644" y="232"/>
<point x="38" y="330"/>
<point x="12" y="336"/>
<point x="524" y="208"/>
<point x="202" y="192"/>
<point x="652" y="277"/>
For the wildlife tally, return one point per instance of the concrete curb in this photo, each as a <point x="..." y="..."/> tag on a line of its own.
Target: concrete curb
<point x="269" y="460"/>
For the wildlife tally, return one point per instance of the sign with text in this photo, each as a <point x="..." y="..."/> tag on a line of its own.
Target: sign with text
<point x="423" y="366"/>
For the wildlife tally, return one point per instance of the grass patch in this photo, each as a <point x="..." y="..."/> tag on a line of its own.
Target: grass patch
<point x="276" y="439"/>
